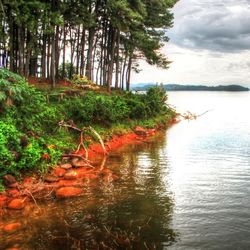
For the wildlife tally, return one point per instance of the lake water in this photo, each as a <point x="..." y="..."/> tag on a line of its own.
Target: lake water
<point x="187" y="188"/>
<point x="209" y="171"/>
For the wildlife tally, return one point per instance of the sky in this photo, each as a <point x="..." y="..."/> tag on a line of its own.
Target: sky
<point x="209" y="44"/>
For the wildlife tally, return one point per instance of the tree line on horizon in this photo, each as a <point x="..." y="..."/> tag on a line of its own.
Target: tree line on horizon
<point x="99" y="39"/>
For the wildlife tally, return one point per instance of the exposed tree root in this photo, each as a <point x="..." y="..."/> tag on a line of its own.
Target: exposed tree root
<point x="92" y="131"/>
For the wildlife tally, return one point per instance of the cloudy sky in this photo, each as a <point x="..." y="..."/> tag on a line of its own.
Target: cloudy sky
<point x="209" y="44"/>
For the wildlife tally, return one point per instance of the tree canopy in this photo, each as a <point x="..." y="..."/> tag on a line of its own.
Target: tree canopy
<point x="101" y="39"/>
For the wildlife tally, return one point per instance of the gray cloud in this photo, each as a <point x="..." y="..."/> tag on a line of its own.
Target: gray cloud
<point x="214" y="25"/>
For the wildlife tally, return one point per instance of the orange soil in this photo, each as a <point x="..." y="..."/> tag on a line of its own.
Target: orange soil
<point x="78" y="175"/>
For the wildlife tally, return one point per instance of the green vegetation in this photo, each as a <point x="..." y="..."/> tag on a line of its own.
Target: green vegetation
<point x="30" y="137"/>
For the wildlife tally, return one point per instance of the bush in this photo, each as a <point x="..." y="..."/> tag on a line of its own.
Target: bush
<point x="155" y="100"/>
<point x="9" y="146"/>
<point x="29" y="133"/>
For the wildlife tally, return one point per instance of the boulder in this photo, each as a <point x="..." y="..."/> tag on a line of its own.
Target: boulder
<point x="51" y="178"/>
<point x="67" y="192"/>
<point x="140" y="131"/>
<point x="9" y="180"/>
<point x="71" y="175"/>
<point x="66" y="166"/>
<point x="12" y="227"/>
<point x="13" y="193"/>
<point x="59" y="172"/>
<point x="3" y="201"/>
<point x="77" y="163"/>
<point x="16" y="204"/>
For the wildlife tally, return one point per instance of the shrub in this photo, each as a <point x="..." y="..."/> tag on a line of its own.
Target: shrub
<point x="155" y="100"/>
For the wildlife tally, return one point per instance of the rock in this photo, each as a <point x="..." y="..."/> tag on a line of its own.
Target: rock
<point x="16" y="204"/>
<point x="9" y="180"/>
<point x="66" y="192"/>
<point x="91" y="176"/>
<point x="13" y="193"/>
<point x="65" y="159"/>
<point x="3" y="200"/>
<point x="12" y="227"/>
<point x="66" y="166"/>
<point x="59" y="172"/>
<point x="140" y="131"/>
<point x="77" y="163"/>
<point x="67" y="183"/>
<point x="70" y="175"/>
<point x="28" y="180"/>
<point x="51" y="178"/>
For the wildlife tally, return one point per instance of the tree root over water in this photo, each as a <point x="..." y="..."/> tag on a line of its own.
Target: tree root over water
<point x="88" y="130"/>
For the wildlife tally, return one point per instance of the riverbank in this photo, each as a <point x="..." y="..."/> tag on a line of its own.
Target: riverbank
<point x="72" y="175"/>
<point x="39" y="133"/>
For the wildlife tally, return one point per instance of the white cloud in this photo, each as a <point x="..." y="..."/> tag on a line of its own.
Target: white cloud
<point x="209" y="44"/>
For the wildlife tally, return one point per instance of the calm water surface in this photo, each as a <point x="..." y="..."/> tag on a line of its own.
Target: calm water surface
<point x="188" y="188"/>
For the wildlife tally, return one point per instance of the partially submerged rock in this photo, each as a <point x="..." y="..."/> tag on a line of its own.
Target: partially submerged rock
<point x="140" y="131"/>
<point x="71" y="175"/>
<point x="66" y="166"/>
<point x="51" y="178"/>
<point x="59" y="172"/>
<point x="17" y="204"/>
<point x="77" y="163"/>
<point x="9" y="180"/>
<point x="67" y="192"/>
<point x="12" y="227"/>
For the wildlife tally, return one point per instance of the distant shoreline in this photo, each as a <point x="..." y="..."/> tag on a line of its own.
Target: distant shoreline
<point x="178" y="87"/>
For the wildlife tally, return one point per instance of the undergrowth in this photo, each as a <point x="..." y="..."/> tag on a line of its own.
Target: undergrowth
<point x="29" y="134"/>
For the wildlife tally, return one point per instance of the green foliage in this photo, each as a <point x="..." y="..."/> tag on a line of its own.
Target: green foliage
<point x="9" y="146"/>
<point x="29" y="134"/>
<point x="156" y="100"/>
<point x="80" y="80"/>
<point x="2" y="188"/>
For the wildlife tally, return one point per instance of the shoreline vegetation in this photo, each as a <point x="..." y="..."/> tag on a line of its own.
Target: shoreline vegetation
<point x="40" y="129"/>
<point x="179" y="87"/>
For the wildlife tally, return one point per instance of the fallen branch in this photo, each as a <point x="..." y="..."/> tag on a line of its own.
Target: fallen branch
<point x="70" y="124"/>
<point x="99" y="138"/>
<point x="191" y="116"/>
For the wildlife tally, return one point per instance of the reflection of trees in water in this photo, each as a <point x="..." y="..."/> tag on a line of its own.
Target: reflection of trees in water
<point x="132" y="213"/>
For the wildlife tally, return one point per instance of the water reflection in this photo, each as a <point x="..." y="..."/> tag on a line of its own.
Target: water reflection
<point x="134" y="212"/>
<point x="210" y="171"/>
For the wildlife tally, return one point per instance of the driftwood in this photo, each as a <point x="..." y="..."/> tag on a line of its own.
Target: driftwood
<point x="89" y="129"/>
<point x="191" y="116"/>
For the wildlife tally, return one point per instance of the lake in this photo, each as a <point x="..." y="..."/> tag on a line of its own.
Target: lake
<point x="186" y="188"/>
<point x="209" y="171"/>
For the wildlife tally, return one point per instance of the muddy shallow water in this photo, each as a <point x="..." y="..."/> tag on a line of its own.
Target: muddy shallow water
<point x="132" y="212"/>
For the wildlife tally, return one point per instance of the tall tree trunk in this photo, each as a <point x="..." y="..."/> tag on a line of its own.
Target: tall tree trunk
<point x="64" y="51"/>
<point x="57" y="53"/>
<point x="129" y="72"/>
<point x="28" y="54"/>
<point x="111" y="57"/>
<point x="123" y="71"/>
<point x="53" y="48"/>
<point x="77" y="50"/>
<point x="21" y="31"/>
<point x="43" y="69"/>
<point x="117" y="63"/>
<point x="82" y="67"/>
<point x="48" y="58"/>
<point x="90" y="53"/>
